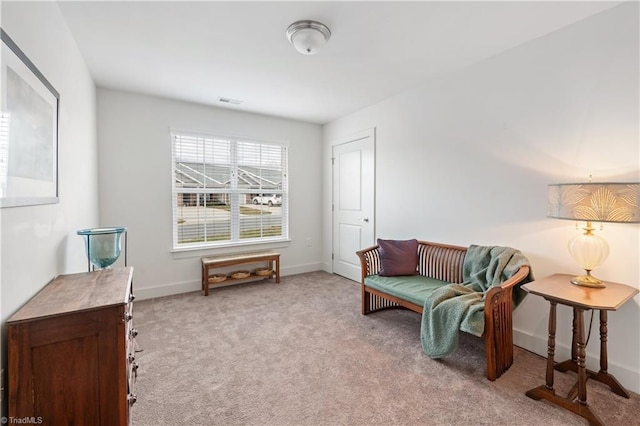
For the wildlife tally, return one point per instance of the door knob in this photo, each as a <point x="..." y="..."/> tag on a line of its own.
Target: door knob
<point x="366" y="219"/>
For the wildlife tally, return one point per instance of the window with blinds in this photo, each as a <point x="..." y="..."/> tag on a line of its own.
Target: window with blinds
<point x="228" y="191"/>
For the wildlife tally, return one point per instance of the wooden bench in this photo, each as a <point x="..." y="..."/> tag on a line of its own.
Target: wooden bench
<point x="210" y="263"/>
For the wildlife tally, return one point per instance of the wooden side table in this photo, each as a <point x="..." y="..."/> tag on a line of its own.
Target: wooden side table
<point x="558" y="289"/>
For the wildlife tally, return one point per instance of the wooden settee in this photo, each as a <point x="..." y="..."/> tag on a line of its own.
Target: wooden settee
<point x="444" y="262"/>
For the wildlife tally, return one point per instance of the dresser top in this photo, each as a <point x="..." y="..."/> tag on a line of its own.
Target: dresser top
<point x="78" y="292"/>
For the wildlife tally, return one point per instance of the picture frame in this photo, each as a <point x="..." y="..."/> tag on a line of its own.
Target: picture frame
<point x="29" y="117"/>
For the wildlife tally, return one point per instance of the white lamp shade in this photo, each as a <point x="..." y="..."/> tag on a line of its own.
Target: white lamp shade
<point x="595" y="202"/>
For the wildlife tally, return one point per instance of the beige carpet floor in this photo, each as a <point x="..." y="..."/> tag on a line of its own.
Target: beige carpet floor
<point x="300" y="353"/>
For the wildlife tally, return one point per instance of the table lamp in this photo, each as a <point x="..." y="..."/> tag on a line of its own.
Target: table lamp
<point x="593" y="202"/>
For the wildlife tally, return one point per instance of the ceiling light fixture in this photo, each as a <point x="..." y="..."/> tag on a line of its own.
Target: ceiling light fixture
<point x="308" y="36"/>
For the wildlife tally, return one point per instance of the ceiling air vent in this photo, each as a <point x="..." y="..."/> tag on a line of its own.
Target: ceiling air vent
<point x="229" y="101"/>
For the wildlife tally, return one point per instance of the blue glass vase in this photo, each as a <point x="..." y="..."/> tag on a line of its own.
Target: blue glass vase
<point x="102" y="245"/>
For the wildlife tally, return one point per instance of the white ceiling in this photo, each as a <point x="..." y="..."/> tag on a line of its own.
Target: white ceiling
<point x="199" y="51"/>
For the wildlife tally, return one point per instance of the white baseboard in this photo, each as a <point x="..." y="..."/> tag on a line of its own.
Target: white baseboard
<point x="190" y="286"/>
<point x="630" y="379"/>
<point x="166" y="289"/>
<point x="301" y="269"/>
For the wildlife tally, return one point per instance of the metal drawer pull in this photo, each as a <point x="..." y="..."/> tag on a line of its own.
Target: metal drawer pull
<point x="132" y="399"/>
<point x="128" y="316"/>
<point x="132" y="357"/>
<point x="134" y="333"/>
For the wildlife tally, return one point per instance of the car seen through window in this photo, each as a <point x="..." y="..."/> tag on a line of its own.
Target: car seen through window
<point x="268" y="199"/>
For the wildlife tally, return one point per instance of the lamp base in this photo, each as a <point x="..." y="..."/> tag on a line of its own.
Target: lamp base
<point x="588" y="281"/>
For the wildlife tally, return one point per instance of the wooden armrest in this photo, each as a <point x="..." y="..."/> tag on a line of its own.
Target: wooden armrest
<point x="522" y="273"/>
<point x="369" y="261"/>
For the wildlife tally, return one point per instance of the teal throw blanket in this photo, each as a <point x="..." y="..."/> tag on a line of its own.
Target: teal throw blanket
<point x="456" y="307"/>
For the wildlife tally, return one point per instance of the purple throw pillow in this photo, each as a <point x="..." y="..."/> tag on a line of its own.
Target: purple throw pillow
<point x="398" y="257"/>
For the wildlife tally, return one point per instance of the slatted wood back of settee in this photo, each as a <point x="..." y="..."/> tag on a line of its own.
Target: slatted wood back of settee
<point x="441" y="261"/>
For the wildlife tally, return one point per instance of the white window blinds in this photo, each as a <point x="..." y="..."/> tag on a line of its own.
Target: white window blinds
<point x="228" y="191"/>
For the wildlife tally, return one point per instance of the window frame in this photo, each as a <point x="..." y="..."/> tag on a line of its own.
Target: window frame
<point x="234" y="193"/>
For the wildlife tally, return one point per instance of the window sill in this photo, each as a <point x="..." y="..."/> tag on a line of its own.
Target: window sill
<point x="230" y="248"/>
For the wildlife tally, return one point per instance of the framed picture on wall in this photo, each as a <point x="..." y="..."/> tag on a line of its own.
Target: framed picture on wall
<point x="28" y="131"/>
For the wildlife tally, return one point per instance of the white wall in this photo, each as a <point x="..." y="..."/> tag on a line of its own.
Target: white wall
<point x="472" y="154"/>
<point x="135" y="184"/>
<point x="40" y="242"/>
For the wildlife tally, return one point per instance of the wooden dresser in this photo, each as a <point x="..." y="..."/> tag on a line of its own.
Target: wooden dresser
<point x="71" y="356"/>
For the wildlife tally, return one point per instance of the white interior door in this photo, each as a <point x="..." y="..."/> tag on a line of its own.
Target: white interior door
<point x="353" y="201"/>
